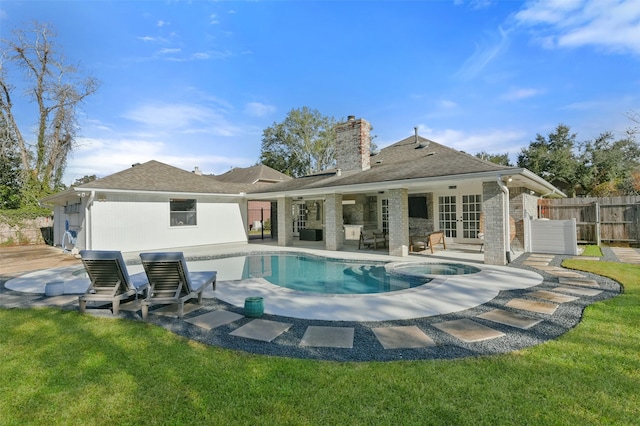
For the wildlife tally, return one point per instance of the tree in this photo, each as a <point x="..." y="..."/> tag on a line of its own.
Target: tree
<point x="57" y="90"/>
<point x="9" y="180"/>
<point x="610" y="163"/>
<point x="83" y="180"/>
<point x="553" y="158"/>
<point x="502" y="159"/>
<point x="302" y="144"/>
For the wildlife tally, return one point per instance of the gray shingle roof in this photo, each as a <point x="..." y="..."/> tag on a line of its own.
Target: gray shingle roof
<point x="156" y="176"/>
<point x="403" y="160"/>
<point x="253" y="174"/>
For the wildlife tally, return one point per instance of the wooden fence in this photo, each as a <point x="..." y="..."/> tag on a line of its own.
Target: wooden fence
<point x="609" y="220"/>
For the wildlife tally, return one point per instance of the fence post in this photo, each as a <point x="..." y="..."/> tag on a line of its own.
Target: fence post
<point x="598" y="237"/>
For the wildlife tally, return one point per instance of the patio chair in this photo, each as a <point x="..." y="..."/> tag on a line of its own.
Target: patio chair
<point x="170" y="281"/>
<point x="110" y="280"/>
<point x="419" y="243"/>
<point x="371" y="239"/>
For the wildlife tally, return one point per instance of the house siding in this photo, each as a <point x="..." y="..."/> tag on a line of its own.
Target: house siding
<point x="134" y="223"/>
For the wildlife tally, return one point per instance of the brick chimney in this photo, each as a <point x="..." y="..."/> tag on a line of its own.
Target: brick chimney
<point x="353" y="145"/>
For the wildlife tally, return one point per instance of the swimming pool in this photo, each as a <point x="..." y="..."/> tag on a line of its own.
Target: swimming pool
<point x="316" y="274"/>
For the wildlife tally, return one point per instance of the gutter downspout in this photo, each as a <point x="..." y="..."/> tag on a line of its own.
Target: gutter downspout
<point x="507" y="226"/>
<point x="87" y="221"/>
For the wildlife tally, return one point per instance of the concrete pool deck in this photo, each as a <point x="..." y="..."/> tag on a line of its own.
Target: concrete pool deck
<point x="444" y="295"/>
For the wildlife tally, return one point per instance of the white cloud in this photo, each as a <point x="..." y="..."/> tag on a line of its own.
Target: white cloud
<point x="213" y="19"/>
<point x="497" y="141"/>
<point x="162" y="23"/>
<point x="520" y="93"/>
<point x="484" y="54"/>
<point x="182" y="118"/>
<point x="258" y="109"/>
<point x="146" y="38"/>
<point x="612" y="25"/>
<point x="447" y="104"/>
<point x="167" y="51"/>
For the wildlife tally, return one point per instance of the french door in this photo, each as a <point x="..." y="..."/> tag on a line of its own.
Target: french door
<point x="459" y="216"/>
<point x="299" y="218"/>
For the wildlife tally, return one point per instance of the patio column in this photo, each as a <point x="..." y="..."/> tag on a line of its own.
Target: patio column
<point x="285" y="222"/>
<point x="398" y="222"/>
<point x="334" y="229"/>
<point x="493" y="208"/>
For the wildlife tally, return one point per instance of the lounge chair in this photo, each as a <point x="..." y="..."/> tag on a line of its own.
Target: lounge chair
<point x="110" y="280"/>
<point x="170" y="281"/>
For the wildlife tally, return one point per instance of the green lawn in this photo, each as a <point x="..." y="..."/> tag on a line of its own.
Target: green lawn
<point x="58" y="367"/>
<point x="592" y="250"/>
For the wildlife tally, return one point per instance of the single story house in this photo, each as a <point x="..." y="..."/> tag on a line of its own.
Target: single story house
<point x="413" y="187"/>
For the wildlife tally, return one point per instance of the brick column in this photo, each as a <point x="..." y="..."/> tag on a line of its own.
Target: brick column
<point x="334" y="230"/>
<point x="398" y="222"/>
<point x="285" y="222"/>
<point x="493" y="200"/>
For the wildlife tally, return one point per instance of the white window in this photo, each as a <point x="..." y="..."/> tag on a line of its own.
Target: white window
<point x="182" y="212"/>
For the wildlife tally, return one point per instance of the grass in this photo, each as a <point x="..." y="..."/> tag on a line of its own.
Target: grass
<point x="592" y="251"/>
<point x="59" y="367"/>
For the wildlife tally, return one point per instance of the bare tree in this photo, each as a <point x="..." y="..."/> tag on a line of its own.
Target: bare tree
<point x="57" y="89"/>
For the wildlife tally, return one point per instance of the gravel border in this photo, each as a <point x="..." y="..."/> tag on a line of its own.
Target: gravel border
<point x="366" y="346"/>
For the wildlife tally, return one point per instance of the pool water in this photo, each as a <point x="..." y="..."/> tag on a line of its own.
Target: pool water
<point x="436" y="269"/>
<point x="329" y="276"/>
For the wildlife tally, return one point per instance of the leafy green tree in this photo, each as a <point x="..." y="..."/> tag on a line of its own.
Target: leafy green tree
<point x="554" y="158"/>
<point x="9" y="180"/>
<point x="609" y="164"/>
<point x="302" y="144"/>
<point x="57" y="90"/>
<point x="502" y="159"/>
<point x="83" y="180"/>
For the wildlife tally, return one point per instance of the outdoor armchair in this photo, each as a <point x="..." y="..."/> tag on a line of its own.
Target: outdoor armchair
<point x="421" y="242"/>
<point x="110" y="281"/>
<point x="170" y="281"/>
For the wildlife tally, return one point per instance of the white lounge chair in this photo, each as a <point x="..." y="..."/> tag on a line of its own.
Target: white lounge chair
<point x="170" y="281"/>
<point x="110" y="280"/>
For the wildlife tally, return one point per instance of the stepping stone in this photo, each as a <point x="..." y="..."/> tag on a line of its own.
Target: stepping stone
<point x="579" y="291"/>
<point x="172" y="310"/>
<point x="540" y="257"/>
<point x="533" y="306"/>
<point x="56" y="301"/>
<point x="468" y="331"/>
<point x="10" y="299"/>
<point x="551" y="268"/>
<point x="551" y="296"/>
<point x="582" y="282"/>
<point x="214" y="319"/>
<point x="535" y="263"/>
<point x="403" y="337"/>
<point x="624" y="259"/>
<point x="510" y="318"/>
<point x="328" y="337"/>
<point x="566" y="274"/>
<point x="260" y="329"/>
<point x="586" y="258"/>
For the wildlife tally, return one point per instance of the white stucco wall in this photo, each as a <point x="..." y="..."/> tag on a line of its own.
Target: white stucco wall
<point x="134" y="223"/>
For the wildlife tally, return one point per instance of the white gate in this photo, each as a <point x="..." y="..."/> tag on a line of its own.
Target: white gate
<point x="551" y="236"/>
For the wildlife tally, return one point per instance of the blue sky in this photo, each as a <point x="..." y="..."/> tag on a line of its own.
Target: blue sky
<point x="194" y="83"/>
